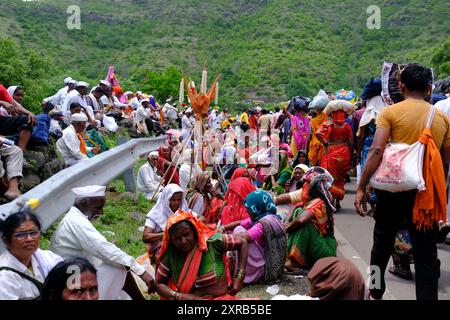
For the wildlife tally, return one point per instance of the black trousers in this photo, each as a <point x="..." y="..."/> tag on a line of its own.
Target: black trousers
<point x="393" y="209"/>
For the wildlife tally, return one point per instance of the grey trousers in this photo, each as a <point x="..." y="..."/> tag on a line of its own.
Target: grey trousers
<point x="11" y="160"/>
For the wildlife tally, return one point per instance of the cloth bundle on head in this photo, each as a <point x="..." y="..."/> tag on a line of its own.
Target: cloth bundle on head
<point x="320" y="101"/>
<point x="298" y="104"/>
<point x="390" y="89"/>
<point x="79" y="117"/>
<point x="334" y="278"/>
<point x="346" y="95"/>
<point x="316" y="171"/>
<point x="371" y="89"/>
<point x="336" y="105"/>
<point x="89" y="192"/>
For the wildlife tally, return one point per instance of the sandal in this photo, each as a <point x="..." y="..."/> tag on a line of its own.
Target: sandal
<point x="404" y="274"/>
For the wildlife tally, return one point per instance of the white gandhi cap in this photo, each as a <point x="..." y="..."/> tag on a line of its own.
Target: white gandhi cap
<point x="89" y="191"/>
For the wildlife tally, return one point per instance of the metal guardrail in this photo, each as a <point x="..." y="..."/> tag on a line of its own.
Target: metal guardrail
<point x="55" y="194"/>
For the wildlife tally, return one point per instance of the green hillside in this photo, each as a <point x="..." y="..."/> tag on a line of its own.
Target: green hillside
<point x="264" y="49"/>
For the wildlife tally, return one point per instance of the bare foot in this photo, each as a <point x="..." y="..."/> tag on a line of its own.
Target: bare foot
<point x="12" y="194"/>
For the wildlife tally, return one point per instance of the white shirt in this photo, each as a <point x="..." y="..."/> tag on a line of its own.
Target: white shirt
<point x="13" y="286"/>
<point x="142" y="114"/>
<point x="229" y="153"/>
<point x="187" y="124"/>
<point x="72" y="96"/>
<point x="134" y="103"/>
<point x="147" y="179"/>
<point x="170" y="111"/>
<point x="77" y="237"/>
<point x="69" y="146"/>
<point x="95" y="104"/>
<point x="58" y="98"/>
<point x="444" y="106"/>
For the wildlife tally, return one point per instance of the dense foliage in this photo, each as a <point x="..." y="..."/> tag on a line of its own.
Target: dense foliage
<point x="264" y="49"/>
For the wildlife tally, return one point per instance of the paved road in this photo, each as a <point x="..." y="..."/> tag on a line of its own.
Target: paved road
<point x="354" y="235"/>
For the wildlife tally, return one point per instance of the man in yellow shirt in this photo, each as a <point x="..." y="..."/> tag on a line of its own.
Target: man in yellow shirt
<point x="245" y="122"/>
<point x="404" y="122"/>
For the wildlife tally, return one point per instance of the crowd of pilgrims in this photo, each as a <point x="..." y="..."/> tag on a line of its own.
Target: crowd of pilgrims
<point x="252" y="201"/>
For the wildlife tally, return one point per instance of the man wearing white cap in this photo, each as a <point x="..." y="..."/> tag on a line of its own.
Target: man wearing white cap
<point x="77" y="95"/>
<point x="71" y="145"/>
<point x="187" y="124"/>
<point x="76" y="236"/>
<point x="171" y="113"/>
<point x="60" y="96"/>
<point x="147" y="179"/>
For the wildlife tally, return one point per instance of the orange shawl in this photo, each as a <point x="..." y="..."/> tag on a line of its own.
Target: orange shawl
<point x="82" y="144"/>
<point x="431" y="204"/>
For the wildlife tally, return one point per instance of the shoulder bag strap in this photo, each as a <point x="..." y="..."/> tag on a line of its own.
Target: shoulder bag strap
<point x="431" y="116"/>
<point x="37" y="283"/>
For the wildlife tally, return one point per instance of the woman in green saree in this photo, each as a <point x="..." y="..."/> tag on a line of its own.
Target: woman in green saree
<point x="277" y="182"/>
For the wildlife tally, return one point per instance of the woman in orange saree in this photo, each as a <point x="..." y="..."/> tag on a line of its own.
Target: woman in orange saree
<point x="193" y="265"/>
<point x="336" y="135"/>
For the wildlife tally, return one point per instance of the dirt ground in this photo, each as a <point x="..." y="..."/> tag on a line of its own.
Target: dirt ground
<point x="289" y="285"/>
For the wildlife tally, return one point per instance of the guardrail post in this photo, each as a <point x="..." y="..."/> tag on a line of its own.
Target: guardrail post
<point x="128" y="175"/>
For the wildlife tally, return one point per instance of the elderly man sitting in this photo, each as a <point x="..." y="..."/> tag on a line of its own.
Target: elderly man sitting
<point x="77" y="237"/>
<point x="72" y="145"/>
<point x="148" y="181"/>
<point x="11" y="157"/>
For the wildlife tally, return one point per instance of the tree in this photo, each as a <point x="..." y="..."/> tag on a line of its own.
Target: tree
<point x="162" y="85"/>
<point x="441" y="60"/>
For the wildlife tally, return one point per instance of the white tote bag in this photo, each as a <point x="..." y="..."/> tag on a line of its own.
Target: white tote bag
<point x="401" y="168"/>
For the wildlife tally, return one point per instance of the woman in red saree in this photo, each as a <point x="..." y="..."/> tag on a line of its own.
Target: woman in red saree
<point x="337" y="137"/>
<point x="193" y="265"/>
<point x="234" y="209"/>
<point x="165" y="167"/>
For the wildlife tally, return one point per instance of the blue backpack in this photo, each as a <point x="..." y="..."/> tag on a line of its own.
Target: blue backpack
<point x="41" y="129"/>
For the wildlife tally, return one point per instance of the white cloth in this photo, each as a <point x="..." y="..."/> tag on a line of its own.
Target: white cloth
<point x="134" y="103"/>
<point x="148" y="181"/>
<point x="187" y="124"/>
<point x="77" y="236"/>
<point x="72" y="96"/>
<point x="185" y="174"/>
<point x="444" y="106"/>
<point x="142" y="114"/>
<point x="13" y="286"/>
<point x="11" y="158"/>
<point x="58" y="98"/>
<point x="95" y="104"/>
<point x="374" y="107"/>
<point x="158" y="215"/>
<point x="89" y="191"/>
<point x="69" y="147"/>
<point x="170" y="111"/>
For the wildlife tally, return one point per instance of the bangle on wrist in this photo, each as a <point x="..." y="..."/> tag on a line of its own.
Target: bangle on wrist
<point x="241" y="274"/>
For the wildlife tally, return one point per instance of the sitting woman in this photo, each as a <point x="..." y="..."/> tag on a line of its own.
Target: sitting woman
<point x="311" y="231"/>
<point x="166" y="168"/>
<point x="266" y="238"/>
<point x="57" y="281"/>
<point x="234" y="209"/>
<point x="23" y="266"/>
<point x="296" y="182"/>
<point x="203" y="200"/>
<point x="193" y="265"/>
<point x="241" y="173"/>
<point x="277" y="182"/>
<point x="170" y="200"/>
<point x="334" y="278"/>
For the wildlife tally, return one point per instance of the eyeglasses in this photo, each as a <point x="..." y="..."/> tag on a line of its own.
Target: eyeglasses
<point x="23" y="235"/>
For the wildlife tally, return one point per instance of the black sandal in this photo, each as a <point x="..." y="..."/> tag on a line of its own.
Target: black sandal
<point x="404" y="274"/>
<point x="443" y="233"/>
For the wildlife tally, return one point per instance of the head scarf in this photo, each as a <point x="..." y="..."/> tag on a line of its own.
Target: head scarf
<point x="11" y="90"/>
<point x="203" y="233"/>
<point x="259" y="204"/>
<point x="161" y="211"/>
<point x="334" y="278"/>
<point x="302" y="167"/>
<point x="237" y="191"/>
<point x="374" y="106"/>
<point x="239" y="173"/>
<point x="187" y="156"/>
<point x="285" y="146"/>
<point x="201" y="181"/>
